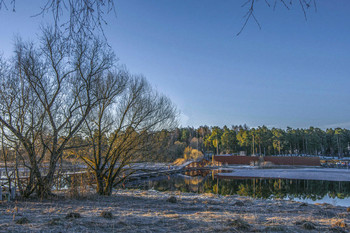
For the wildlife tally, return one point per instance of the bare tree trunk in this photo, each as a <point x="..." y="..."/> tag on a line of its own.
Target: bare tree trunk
<point x="45" y="97"/>
<point x="100" y="182"/>
<point x="121" y="136"/>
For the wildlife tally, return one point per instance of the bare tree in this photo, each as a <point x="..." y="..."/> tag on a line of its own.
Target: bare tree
<point x="288" y="4"/>
<point x="121" y="128"/>
<point x="5" y="153"/>
<point x="85" y="16"/>
<point x="81" y="17"/>
<point x="45" y="97"/>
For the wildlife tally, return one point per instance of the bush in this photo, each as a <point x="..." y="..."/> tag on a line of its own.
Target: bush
<point x="73" y="215"/>
<point x="191" y="153"/>
<point x="107" y="214"/>
<point x="172" y="199"/>
<point x="23" y="220"/>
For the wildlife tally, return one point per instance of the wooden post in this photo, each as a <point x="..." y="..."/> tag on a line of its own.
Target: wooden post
<point x="0" y="193"/>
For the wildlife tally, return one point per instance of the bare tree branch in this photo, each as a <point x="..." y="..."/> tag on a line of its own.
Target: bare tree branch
<point x="73" y="17"/>
<point x="120" y="129"/>
<point x="304" y="5"/>
<point x="46" y="95"/>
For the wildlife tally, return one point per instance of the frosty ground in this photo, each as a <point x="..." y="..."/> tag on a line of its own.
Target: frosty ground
<point x="152" y="211"/>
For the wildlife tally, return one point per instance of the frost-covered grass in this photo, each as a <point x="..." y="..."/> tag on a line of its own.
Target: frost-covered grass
<point x="150" y="211"/>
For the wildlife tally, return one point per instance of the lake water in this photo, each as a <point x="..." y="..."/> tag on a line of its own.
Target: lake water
<point x="310" y="191"/>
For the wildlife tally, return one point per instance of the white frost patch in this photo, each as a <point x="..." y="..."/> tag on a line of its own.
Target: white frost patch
<point x="302" y="174"/>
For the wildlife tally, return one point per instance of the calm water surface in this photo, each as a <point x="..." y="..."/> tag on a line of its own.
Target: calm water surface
<point x="310" y="191"/>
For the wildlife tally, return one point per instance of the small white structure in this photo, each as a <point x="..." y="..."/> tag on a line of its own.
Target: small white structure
<point x="242" y="153"/>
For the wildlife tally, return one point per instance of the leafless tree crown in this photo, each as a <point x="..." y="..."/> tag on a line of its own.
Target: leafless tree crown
<point x="73" y="16"/>
<point x="288" y="4"/>
<point x="46" y="93"/>
<point x="57" y="97"/>
<point x="85" y="16"/>
<point x="121" y="129"/>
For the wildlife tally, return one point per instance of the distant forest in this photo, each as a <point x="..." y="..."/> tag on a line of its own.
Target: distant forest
<point x="258" y="141"/>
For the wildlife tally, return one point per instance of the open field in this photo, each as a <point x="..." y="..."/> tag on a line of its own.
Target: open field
<point x="151" y="211"/>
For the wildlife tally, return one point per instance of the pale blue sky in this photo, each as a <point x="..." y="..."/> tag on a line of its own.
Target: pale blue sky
<point x="292" y="72"/>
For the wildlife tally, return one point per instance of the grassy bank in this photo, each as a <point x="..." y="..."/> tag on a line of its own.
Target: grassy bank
<point x="152" y="211"/>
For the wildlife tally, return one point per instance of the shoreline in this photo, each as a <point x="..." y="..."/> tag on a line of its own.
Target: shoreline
<point x="326" y="174"/>
<point x="151" y="211"/>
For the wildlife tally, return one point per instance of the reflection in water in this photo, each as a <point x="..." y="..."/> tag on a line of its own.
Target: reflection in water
<point x="283" y="188"/>
<point x="205" y="182"/>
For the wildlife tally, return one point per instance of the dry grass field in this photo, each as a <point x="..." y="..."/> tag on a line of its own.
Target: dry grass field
<point x="152" y="211"/>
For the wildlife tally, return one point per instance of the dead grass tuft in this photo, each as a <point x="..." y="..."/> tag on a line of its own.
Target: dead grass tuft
<point x="122" y="223"/>
<point x="337" y="230"/>
<point x="239" y="203"/>
<point x="172" y="199"/>
<point x="22" y="220"/>
<point x="73" y="215"/>
<point x="179" y="161"/>
<point x="309" y="226"/>
<point x="340" y="223"/>
<point x="326" y="205"/>
<point x="239" y="223"/>
<point x="106" y="214"/>
<point x="276" y="228"/>
<point x="54" y="221"/>
<point x="343" y="215"/>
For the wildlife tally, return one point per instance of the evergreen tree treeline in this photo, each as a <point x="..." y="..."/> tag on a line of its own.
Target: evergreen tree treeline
<point x="259" y="141"/>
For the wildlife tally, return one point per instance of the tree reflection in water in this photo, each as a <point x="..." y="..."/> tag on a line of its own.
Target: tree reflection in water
<point x="205" y="182"/>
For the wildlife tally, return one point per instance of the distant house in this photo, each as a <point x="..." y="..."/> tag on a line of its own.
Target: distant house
<point x="242" y="153"/>
<point x="277" y="160"/>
